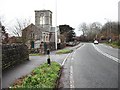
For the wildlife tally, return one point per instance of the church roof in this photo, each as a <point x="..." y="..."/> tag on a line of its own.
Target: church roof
<point x="32" y="26"/>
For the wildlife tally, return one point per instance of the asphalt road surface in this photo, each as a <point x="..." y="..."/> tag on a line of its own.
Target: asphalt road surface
<point x="92" y="66"/>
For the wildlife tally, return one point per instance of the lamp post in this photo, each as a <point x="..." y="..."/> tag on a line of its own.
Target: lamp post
<point x="56" y="25"/>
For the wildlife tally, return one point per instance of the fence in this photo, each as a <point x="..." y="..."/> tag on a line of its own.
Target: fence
<point x="12" y="54"/>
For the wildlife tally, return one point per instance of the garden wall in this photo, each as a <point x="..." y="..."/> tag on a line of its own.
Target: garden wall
<point x="13" y="54"/>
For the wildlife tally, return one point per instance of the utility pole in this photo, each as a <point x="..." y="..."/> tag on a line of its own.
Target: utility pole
<point x="56" y="25"/>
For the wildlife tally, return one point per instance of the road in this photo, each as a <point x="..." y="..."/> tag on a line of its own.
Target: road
<point x="91" y="66"/>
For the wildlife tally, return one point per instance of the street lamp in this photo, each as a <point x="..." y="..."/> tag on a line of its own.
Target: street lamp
<point x="56" y="25"/>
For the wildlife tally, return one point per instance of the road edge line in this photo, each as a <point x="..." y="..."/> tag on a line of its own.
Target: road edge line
<point x="69" y="55"/>
<point x="105" y="54"/>
<point x="65" y="59"/>
<point x="71" y="77"/>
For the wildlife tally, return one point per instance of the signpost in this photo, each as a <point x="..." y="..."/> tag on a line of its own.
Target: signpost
<point x="48" y="59"/>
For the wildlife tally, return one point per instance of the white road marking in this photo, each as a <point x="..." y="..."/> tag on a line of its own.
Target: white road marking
<point x="65" y="59"/>
<point x="71" y="68"/>
<point x="74" y="52"/>
<point x="106" y="46"/>
<point x="81" y="46"/>
<point x="105" y="54"/>
<point x="71" y="77"/>
<point x="68" y="55"/>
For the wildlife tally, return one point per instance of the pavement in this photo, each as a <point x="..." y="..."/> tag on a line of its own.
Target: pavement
<point x="88" y="68"/>
<point x="24" y="68"/>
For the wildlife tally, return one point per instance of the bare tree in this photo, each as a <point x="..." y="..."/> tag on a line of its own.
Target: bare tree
<point x="2" y="20"/>
<point x="84" y="28"/>
<point x="4" y="35"/>
<point x="90" y="31"/>
<point x="95" y="29"/>
<point x="20" y="25"/>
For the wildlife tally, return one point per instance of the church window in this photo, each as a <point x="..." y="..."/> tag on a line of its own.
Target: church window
<point x="32" y="35"/>
<point x="42" y="19"/>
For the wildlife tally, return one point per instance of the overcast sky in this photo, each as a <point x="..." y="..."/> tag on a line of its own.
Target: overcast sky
<point x="71" y="12"/>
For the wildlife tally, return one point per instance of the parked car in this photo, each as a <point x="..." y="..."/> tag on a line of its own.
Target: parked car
<point x="96" y="42"/>
<point x="70" y="44"/>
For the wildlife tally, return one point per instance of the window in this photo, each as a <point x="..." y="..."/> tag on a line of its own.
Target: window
<point x="32" y="34"/>
<point x="42" y="19"/>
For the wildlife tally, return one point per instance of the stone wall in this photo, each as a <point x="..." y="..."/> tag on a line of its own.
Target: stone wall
<point x="13" y="54"/>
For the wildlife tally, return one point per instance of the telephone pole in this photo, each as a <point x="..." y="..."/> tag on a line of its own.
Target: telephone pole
<point x="56" y="25"/>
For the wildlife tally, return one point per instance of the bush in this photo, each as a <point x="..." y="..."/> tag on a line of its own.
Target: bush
<point x="115" y="44"/>
<point x="118" y="43"/>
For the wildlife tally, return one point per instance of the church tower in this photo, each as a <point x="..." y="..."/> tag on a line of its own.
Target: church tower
<point x="43" y="19"/>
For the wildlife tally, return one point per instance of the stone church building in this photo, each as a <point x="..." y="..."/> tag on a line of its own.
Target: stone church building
<point x="42" y="34"/>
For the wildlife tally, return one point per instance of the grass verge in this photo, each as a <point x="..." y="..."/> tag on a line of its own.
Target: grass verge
<point x="44" y="76"/>
<point x="35" y="54"/>
<point x="64" y="51"/>
<point x="115" y="44"/>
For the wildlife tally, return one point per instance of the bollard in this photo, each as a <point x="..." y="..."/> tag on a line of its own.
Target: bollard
<point x="48" y="59"/>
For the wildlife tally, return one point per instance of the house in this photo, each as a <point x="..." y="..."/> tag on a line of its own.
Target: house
<point x="13" y="40"/>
